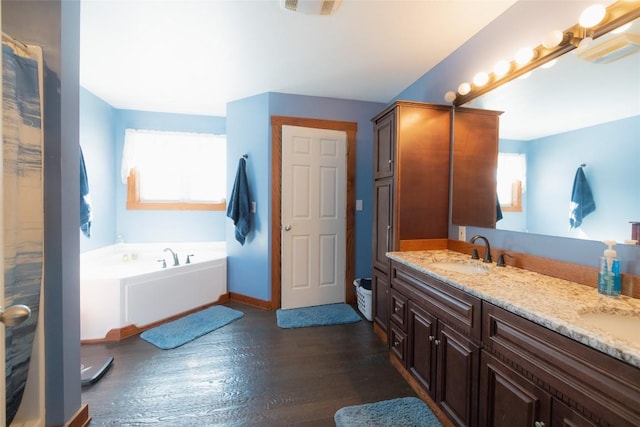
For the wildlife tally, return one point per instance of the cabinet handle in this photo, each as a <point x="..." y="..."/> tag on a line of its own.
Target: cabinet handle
<point x="431" y="338"/>
<point x="437" y="342"/>
<point x="539" y="424"/>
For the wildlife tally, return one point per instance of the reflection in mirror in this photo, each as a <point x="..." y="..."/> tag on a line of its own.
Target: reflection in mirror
<point x="585" y="109"/>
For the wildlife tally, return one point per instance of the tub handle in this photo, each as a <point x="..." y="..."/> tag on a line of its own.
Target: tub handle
<point x="164" y="263"/>
<point x="188" y="259"/>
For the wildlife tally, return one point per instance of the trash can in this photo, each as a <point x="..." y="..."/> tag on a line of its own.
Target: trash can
<point x="363" y="291"/>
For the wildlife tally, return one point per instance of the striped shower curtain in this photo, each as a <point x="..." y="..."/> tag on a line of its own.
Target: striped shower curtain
<point x="23" y="206"/>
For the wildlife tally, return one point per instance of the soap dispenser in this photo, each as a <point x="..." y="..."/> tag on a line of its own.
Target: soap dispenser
<point x="609" y="276"/>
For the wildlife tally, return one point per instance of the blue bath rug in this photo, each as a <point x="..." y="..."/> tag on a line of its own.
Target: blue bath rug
<point x="319" y="315"/>
<point x="174" y="334"/>
<point x="405" y="411"/>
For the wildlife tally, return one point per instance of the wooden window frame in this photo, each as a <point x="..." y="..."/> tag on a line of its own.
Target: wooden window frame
<point x="516" y="198"/>
<point x="134" y="202"/>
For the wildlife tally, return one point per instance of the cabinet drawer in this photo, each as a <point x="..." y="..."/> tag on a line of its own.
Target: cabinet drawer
<point x="604" y="388"/>
<point x="398" y="343"/>
<point x="453" y="306"/>
<point x="398" y="309"/>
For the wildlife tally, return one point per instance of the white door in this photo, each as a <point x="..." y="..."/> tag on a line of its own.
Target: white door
<point x="314" y="187"/>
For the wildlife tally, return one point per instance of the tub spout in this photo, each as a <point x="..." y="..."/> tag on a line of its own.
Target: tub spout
<point x="175" y="256"/>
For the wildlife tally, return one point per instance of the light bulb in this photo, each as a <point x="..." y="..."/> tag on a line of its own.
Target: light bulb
<point x="481" y="79"/>
<point x="524" y="55"/>
<point x="450" y="96"/>
<point x="464" y="88"/>
<point x="584" y="44"/>
<point x="553" y="39"/>
<point x="592" y="15"/>
<point x="501" y="68"/>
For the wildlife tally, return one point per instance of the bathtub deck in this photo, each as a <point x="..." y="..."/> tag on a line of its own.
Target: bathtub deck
<point x="248" y="373"/>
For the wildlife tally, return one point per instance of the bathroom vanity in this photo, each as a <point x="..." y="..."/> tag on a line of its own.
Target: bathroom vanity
<point x="494" y="346"/>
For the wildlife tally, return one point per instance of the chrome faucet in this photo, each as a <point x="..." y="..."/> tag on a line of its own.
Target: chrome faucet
<point x="175" y="256"/>
<point x="487" y="252"/>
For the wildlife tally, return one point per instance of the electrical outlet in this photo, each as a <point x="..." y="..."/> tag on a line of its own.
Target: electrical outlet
<point x="462" y="233"/>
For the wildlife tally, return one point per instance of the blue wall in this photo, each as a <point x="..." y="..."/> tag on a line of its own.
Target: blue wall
<point x="612" y="175"/>
<point x="97" y="135"/>
<point x="611" y="153"/>
<point x="249" y="130"/>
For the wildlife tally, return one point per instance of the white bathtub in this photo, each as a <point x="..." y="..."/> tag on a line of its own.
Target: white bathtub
<point x="125" y="286"/>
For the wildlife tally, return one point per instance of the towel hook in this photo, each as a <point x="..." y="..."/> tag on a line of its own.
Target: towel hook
<point x="245" y="156"/>
<point x="582" y="165"/>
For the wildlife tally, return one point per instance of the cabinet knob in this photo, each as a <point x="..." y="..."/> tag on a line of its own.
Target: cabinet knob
<point x="539" y="424"/>
<point x="437" y="342"/>
<point x="389" y="161"/>
<point x="396" y="309"/>
<point x="431" y="338"/>
<point x="396" y="343"/>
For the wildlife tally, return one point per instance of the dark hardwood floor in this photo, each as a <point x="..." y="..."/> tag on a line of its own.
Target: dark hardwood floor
<point x="248" y="373"/>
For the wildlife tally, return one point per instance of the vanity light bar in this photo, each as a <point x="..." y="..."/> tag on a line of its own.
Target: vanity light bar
<point x="617" y="14"/>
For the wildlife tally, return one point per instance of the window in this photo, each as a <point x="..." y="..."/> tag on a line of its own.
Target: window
<point x="174" y="170"/>
<point x="511" y="181"/>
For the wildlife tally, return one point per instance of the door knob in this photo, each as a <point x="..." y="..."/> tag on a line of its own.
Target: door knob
<point x="287" y="227"/>
<point x="15" y="314"/>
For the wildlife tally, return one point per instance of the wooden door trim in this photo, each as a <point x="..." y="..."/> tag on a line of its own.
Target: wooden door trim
<point x="351" y="129"/>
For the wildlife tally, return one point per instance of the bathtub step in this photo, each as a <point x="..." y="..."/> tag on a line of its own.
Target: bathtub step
<point x="93" y="368"/>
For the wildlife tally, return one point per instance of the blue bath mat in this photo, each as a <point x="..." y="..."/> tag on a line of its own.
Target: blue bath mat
<point x="174" y="334"/>
<point x="405" y="411"/>
<point x="319" y="315"/>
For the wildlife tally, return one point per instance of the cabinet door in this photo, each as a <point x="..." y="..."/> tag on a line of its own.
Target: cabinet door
<point x="508" y="399"/>
<point x="563" y="416"/>
<point x="398" y="343"/>
<point x="384" y="146"/>
<point x="382" y="220"/>
<point x="458" y="365"/>
<point x="421" y="354"/>
<point x="475" y="161"/>
<point x="380" y="294"/>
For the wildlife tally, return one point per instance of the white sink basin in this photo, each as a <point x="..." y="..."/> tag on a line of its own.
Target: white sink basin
<point x="623" y="325"/>
<point x="460" y="267"/>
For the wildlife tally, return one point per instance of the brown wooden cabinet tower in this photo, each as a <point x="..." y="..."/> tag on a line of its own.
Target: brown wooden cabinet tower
<point x="411" y="187"/>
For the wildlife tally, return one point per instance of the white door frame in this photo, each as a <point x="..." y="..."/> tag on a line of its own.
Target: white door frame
<point x="276" y="184"/>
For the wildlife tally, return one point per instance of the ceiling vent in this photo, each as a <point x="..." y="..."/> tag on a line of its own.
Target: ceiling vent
<point x="312" y="7"/>
<point x="612" y="50"/>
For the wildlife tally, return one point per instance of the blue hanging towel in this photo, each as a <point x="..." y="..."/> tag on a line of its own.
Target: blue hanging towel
<point x="86" y="213"/>
<point x="582" y="203"/>
<point x="239" y="208"/>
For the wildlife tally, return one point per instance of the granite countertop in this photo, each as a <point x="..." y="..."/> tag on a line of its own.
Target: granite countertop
<point x="554" y="303"/>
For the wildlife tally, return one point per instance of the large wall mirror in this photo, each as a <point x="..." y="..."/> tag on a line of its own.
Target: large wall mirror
<point x="582" y="113"/>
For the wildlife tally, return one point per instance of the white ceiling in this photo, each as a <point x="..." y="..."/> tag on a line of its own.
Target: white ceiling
<point x="195" y="56"/>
